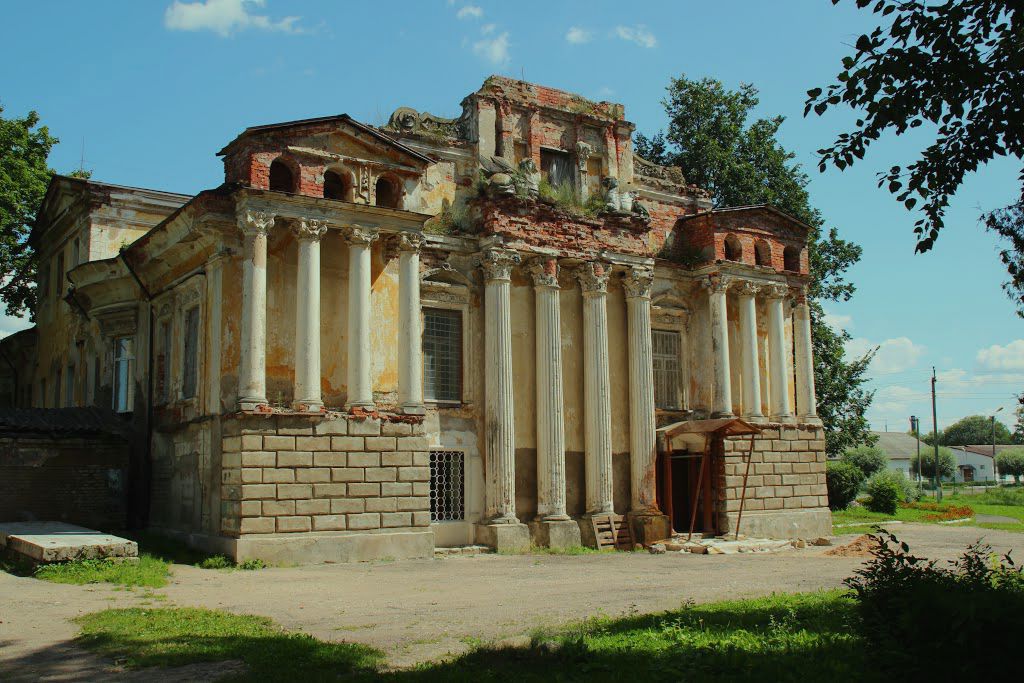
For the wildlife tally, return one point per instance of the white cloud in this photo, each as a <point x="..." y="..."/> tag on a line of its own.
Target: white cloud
<point x="488" y="29"/>
<point x="9" y="324"/>
<point x="577" y="35"/>
<point x="224" y="17"/>
<point x="637" y="34"/>
<point x="893" y="355"/>
<point x="998" y="358"/>
<point x="838" y="321"/>
<point x="469" y="11"/>
<point x="494" y="50"/>
<point x="605" y="91"/>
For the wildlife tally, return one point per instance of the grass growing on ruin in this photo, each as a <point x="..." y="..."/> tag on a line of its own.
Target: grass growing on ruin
<point x="812" y="636"/>
<point x="148" y="571"/>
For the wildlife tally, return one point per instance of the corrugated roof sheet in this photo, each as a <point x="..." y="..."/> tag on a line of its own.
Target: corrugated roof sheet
<point x="63" y="421"/>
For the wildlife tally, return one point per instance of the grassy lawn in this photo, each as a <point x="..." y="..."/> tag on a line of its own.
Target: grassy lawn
<point x="1006" y="502"/>
<point x="799" y="637"/>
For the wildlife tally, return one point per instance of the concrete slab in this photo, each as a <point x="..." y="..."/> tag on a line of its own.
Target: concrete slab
<point x="60" y="542"/>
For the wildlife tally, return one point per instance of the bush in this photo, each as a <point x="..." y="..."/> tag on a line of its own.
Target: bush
<point x="1011" y="461"/>
<point x="843" y="480"/>
<point x="947" y="463"/>
<point x="868" y="459"/>
<point x="887" y="491"/>
<point x="916" y="616"/>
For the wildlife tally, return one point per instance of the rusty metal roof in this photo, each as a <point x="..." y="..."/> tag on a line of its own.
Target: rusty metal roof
<point x="65" y="421"/>
<point x="723" y="426"/>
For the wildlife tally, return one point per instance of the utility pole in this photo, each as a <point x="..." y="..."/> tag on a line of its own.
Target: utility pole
<point x="915" y="424"/>
<point x="935" y="439"/>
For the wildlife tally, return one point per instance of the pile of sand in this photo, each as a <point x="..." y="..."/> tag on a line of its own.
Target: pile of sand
<point x="862" y="546"/>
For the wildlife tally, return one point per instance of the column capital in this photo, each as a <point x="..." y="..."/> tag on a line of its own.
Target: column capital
<point x="593" y="277"/>
<point x="544" y="270"/>
<point x="799" y="294"/>
<point x="360" y="235"/>
<point x="748" y="288"/>
<point x="716" y="283"/>
<point x="638" y="282"/>
<point x="310" y="229"/>
<point x="777" y="291"/>
<point x="255" y="223"/>
<point x="497" y="263"/>
<point x="408" y="241"/>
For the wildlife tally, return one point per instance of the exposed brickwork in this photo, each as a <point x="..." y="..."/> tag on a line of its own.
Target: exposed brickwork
<point x="708" y="232"/>
<point x="296" y="474"/>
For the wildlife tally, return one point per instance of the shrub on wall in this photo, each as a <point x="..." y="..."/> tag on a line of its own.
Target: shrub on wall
<point x="843" y="481"/>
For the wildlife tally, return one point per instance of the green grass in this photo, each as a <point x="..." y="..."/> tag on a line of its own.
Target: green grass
<point x="1006" y="502"/>
<point x="148" y="571"/>
<point x="803" y="637"/>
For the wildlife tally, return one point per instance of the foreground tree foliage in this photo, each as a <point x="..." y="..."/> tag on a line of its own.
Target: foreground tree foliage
<point x="742" y="162"/>
<point x="955" y="66"/>
<point x="24" y="175"/>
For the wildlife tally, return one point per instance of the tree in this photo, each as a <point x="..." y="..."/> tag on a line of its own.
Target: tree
<point x="710" y="136"/>
<point x="957" y="68"/>
<point x="947" y="463"/>
<point x="973" y="430"/>
<point x="1018" y="426"/>
<point x="1011" y="461"/>
<point x="24" y="176"/>
<point x="868" y="459"/>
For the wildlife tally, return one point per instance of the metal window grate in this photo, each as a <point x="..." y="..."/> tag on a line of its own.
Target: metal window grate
<point x="447" y="495"/>
<point x="442" y="355"/>
<point x="666" y="369"/>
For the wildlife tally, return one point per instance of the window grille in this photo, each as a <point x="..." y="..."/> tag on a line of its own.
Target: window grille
<point x="666" y="369"/>
<point x="124" y="358"/>
<point x="190" y="353"/>
<point x="442" y="355"/>
<point x="447" y="495"/>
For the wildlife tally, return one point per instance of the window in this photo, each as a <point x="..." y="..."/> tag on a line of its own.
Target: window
<point x="666" y="344"/>
<point x="733" y="248"/>
<point x="791" y="259"/>
<point x="58" y="286"/>
<point x="281" y="177"/>
<point x="447" y="499"/>
<point x="190" y="354"/>
<point x="124" y="359"/>
<point x="555" y="167"/>
<point x="76" y="252"/>
<point x="442" y="355"/>
<point x="69" y="387"/>
<point x="387" y="193"/>
<point x="337" y="186"/>
<point x="44" y="280"/>
<point x="163" y="362"/>
<point x="762" y="253"/>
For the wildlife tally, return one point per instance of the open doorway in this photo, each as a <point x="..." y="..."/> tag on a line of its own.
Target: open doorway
<point x="685" y="490"/>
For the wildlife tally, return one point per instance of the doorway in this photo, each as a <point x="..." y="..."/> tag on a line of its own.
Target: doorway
<point x="678" y="476"/>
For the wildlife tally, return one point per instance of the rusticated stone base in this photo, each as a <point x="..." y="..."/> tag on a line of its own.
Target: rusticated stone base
<point x="504" y="538"/>
<point x="649" y="528"/>
<point x="783" y="524"/>
<point x="556" y="534"/>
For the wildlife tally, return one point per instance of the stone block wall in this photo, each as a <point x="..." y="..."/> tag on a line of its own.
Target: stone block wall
<point x="296" y="474"/>
<point x="786" y="495"/>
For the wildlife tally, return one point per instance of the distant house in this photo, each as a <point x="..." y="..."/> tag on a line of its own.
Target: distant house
<point x="974" y="463"/>
<point x="900" y="448"/>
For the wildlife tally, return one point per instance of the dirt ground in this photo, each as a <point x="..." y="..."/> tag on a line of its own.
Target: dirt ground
<point x="425" y="609"/>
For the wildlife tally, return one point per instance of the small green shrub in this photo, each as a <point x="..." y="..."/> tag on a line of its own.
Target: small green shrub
<point x="253" y="564"/>
<point x="216" y="562"/>
<point x="887" y="490"/>
<point x="947" y="463"/>
<point x="868" y="459"/>
<point x="843" y="481"/>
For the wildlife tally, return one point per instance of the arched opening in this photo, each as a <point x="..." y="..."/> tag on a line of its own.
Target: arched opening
<point x="762" y="253"/>
<point x="337" y="185"/>
<point x="733" y="248"/>
<point x="281" y="177"/>
<point x="387" y="193"/>
<point x="791" y="259"/>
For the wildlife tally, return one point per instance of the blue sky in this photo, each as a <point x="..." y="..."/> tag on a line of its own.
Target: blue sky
<point x="154" y="89"/>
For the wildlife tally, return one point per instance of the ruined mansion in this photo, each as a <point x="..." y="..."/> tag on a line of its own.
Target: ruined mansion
<point x="371" y="341"/>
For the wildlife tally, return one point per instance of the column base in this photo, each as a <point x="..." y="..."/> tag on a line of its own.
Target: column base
<point x="312" y="407"/>
<point x="649" y="527"/>
<point x="719" y="414"/>
<point x="784" y="419"/>
<point x="561" y="533"/>
<point x="365" y="405"/>
<point x="504" y="538"/>
<point x="810" y="420"/>
<point x="253" y="405"/>
<point x="413" y="409"/>
<point x="756" y="419"/>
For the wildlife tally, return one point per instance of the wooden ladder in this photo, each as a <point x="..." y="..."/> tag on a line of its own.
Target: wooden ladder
<point x="612" y="531"/>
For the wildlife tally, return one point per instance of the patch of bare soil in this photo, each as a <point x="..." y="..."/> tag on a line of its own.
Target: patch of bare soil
<point x="862" y="546"/>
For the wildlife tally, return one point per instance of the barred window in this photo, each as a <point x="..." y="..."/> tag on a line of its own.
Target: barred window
<point x="124" y="360"/>
<point x="190" y="354"/>
<point x="442" y="355"/>
<point x="447" y="499"/>
<point x="666" y="369"/>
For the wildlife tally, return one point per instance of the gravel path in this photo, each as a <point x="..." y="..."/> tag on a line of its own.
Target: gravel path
<point x="423" y="609"/>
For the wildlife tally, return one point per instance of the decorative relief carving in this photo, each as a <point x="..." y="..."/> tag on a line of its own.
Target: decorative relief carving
<point x="583" y="152"/>
<point x="716" y="283"/>
<point x="544" y="270"/>
<point x="408" y="241"/>
<point x="256" y="223"/>
<point x="407" y="120"/>
<point x="361" y="235"/>
<point x="748" y="288"/>
<point x="310" y="229"/>
<point x="672" y="175"/>
<point x="638" y="282"/>
<point x="593" y="277"/>
<point x="497" y="264"/>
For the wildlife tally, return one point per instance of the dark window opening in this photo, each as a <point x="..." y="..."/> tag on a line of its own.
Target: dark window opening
<point x="762" y="253"/>
<point x="163" y="362"/>
<point x="555" y="167"/>
<point x="733" y="249"/>
<point x="336" y="186"/>
<point x="281" y="177"/>
<point x="387" y="193"/>
<point x="190" y="354"/>
<point x="791" y="259"/>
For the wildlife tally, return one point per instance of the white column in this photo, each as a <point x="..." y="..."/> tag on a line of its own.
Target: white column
<point x="550" y="415"/>
<point x="307" y="317"/>
<point x="748" y="351"/>
<point x="637" y="284"/>
<point x="499" y="414"/>
<point x="410" y="347"/>
<point x="252" y="362"/>
<point x="806" y="402"/>
<point x="722" y="403"/>
<point x="597" y="395"/>
<point x="778" y="355"/>
<point x="360" y="386"/>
